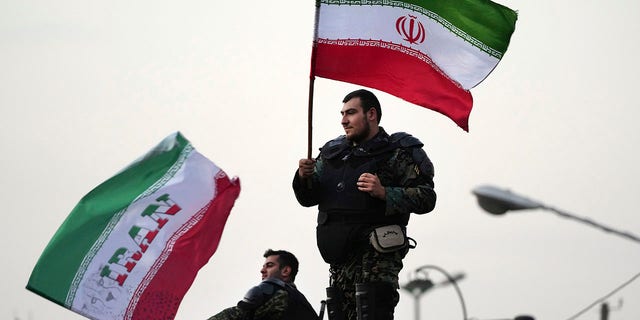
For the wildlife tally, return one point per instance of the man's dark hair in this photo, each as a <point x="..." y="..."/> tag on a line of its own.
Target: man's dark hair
<point x="368" y="100"/>
<point x="285" y="258"/>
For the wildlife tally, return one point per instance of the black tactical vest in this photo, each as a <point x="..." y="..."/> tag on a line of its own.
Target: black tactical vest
<point x="299" y="307"/>
<point x="342" y="166"/>
<point x="346" y="214"/>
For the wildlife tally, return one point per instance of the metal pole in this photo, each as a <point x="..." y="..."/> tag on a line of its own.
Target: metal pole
<point x="416" y="298"/>
<point x="593" y="224"/>
<point x="604" y="311"/>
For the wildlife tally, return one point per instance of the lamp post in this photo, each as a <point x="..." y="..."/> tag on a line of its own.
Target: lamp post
<point x="418" y="286"/>
<point x="498" y="201"/>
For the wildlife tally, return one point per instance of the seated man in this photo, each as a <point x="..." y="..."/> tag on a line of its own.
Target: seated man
<point x="276" y="297"/>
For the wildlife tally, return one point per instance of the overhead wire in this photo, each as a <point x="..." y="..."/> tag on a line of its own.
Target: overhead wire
<point x="604" y="297"/>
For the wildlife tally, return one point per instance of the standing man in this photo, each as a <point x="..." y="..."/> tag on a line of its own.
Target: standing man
<point x="276" y="297"/>
<point x="365" y="183"/>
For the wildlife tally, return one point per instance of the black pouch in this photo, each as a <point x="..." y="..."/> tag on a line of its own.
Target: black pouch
<point x="334" y="242"/>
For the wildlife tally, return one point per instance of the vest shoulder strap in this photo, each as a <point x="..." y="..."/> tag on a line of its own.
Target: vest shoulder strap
<point x="405" y="140"/>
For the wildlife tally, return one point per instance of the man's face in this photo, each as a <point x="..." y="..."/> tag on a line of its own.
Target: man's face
<point x="354" y="121"/>
<point x="271" y="268"/>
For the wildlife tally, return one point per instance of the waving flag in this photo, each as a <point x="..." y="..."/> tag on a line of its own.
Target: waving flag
<point x="132" y="246"/>
<point x="429" y="53"/>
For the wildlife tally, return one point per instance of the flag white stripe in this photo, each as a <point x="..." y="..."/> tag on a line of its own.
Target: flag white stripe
<point x="116" y="218"/>
<point x="93" y="287"/>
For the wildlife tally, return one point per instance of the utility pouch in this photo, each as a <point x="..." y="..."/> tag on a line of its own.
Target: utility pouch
<point x="389" y="238"/>
<point x="335" y="242"/>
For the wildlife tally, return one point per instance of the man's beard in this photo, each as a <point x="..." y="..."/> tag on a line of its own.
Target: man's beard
<point x="360" y="137"/>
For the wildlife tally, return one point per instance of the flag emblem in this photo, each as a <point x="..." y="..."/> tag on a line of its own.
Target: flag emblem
<point x="410" y="29"/>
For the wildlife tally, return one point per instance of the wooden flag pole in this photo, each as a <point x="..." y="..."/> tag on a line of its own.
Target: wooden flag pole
<point x="310" y="117"/>
<point x="312" y="79"/>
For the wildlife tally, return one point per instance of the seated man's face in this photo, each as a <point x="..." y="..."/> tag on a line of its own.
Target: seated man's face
<point x="271" y="268"/>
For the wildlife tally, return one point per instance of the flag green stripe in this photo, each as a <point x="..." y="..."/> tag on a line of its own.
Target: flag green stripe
<point x="54" y="272"/>
<point x="487" y="21"/>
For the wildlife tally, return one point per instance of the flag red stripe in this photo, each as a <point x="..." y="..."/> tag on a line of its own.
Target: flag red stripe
<point x="396" y="73"/>
<point x="162" y="297"/>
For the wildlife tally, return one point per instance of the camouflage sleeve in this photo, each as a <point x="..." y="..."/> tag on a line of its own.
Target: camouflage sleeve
<point x="272" y="309"/>
<point x="275" y="307"/>
<point x="412" y="191"/>
<point x="306" y="193"/>
<point x="233" y="313"/>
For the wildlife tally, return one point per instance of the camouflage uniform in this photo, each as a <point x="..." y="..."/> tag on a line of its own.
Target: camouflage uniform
<point x="407" y="175"/>
<point x="273" y="299"/>
<point x="272" y="309"/>
<point x="369" y="267"/>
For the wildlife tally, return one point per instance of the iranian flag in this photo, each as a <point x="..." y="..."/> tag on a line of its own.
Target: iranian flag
<point x="132" y="247"/>
<point x="427" y="52"/>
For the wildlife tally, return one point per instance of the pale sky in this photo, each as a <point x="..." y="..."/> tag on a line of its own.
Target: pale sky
<point x="88" y="86"/>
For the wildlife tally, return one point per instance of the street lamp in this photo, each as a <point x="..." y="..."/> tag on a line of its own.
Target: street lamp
<point x="418" y="286"/>
<point x="498" y="201"/>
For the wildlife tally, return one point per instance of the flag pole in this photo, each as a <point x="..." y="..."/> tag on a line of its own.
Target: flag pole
<point x="312" y="79"/>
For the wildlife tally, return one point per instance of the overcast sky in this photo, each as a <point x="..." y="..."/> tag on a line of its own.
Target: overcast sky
<point x="88" y="86"/>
